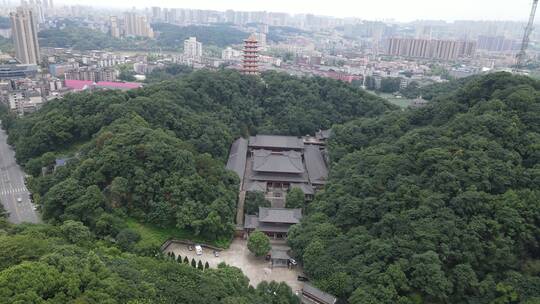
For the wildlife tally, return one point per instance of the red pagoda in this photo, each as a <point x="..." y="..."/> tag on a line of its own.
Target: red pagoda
<point x="251" y="56"/>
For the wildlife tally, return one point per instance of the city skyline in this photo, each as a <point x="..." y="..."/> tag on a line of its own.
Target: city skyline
<point x="403" y="11"/>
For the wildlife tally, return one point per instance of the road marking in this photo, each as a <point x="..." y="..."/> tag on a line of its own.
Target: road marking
<point x="13" y="190"/>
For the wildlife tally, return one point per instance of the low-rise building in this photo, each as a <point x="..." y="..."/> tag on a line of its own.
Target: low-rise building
<point x="313" y="295"/>
<point x="274" y="222"/>
<point x="16" y="71"/>
<point x="22" y="104"/>
<point x="82" y="85"/>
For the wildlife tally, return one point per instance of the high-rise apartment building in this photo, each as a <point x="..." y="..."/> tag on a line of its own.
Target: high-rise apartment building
<point x="24" y="31"/>
<point x="261" y="39"/>
<point x="135" y="25"/>
<point x="115" y="27"/>
<point x="192" y="48"/>
<point x="156" y="13"/>
<point x="251" y="56"/>
<point x="431" y="49"/>
<point x="497" y="44"/>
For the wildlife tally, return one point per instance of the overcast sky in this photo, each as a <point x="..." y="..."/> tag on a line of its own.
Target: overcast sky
<point x="401" y="10"/>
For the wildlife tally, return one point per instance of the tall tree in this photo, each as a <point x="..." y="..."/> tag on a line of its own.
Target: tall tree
<point x="258" y="243"/>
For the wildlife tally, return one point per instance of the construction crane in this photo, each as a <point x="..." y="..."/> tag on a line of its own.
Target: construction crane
<point x="521" y="56"/>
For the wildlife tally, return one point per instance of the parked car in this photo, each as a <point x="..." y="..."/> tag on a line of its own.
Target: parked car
<point x="302" y="279"/>
<point x="198" y="249"/>
<point x="216" y="253"/>
<point x="293" y="262"/>
<point x="190" y="248"/>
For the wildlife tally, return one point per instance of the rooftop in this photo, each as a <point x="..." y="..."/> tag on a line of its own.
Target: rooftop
<point x="256" y="186"/>
<point x="315" y="164"/>
<point x="306" y="188"/>
<point x="276" y="142"/>
<point x="280" y="254"/>
<point x="323" y="134"/>
<point x="237" y="157"/>
<point x="85" y="84"/>
<point x="318" y="294"/>
<point x="278" y="162"/>
<point x="280" y="215"/>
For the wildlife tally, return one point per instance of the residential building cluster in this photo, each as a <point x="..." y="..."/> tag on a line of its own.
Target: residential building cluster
<point x="431" y="49"/>
<point x="132" y="25"/>
<point x="351" y="50"/>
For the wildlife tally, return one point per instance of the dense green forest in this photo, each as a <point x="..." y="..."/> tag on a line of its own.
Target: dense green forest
<point x="170" y="37"/>
<point x="433" y="205"/>
<point x="84" y="39"/>
<point x="67" y="264"/>
<point x="168" y="72"/>
<point x="157" y="154"/>
<point x="439" y="204"/>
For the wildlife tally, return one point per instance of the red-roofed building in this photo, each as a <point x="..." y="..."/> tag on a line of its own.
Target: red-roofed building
<point x="81" y="85"/>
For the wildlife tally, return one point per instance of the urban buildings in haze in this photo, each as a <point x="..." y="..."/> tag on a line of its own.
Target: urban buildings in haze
<point x="115" y="27"/>
<point x="497" y="43"/>
<point x="135" y="25"/>
<point x="192" y="48"/>
<point x="24" y="29"/>
<point x="431" y="49"/>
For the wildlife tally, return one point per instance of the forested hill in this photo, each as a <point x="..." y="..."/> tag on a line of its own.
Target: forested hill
<point x="156" y="155"/>
<point x="66" y="264"/>
<point x="435" y="205"/>
<point x="170" y="37"/>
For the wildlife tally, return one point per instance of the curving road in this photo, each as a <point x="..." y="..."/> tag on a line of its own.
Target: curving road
<point x="12" y="186"/>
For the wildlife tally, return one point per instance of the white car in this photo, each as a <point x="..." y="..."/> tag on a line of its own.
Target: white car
<point x="198" y="249"/>
<point x="19" y="200"/>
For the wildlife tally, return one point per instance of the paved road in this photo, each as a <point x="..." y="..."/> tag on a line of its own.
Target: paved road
<point x="12" y="186"/>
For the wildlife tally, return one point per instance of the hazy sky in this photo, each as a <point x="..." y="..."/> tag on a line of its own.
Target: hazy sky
<point x="402" y="10"/>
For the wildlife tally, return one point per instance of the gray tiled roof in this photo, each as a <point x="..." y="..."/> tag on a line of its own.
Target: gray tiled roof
<point x="315" y="164"/>
<point x="280" y="215"/>
<point x="256" y="186"/>
<point x="323" y="134"/>
<point x="251" y="221"/>
<point x="273" y="227"/>
<point x="276" y="142"/>
<point x="237" y="157"/>
<point x="280" y="254"/>
<point x="279" y="177"/>
<point x="318" y="294"/>
<point x="306" y="188"/>
<point x="279" y="162"/>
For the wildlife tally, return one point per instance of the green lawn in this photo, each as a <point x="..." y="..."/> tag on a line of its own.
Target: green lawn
<point x="400" y="102"/>
<point x="155" y="236"/>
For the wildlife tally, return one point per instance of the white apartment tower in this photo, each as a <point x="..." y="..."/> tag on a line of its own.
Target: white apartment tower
<point x="24" y="31"/>
<point x="135" y="25"/>
<point x="115" y="27"/>
<point x="192" y="48"/>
